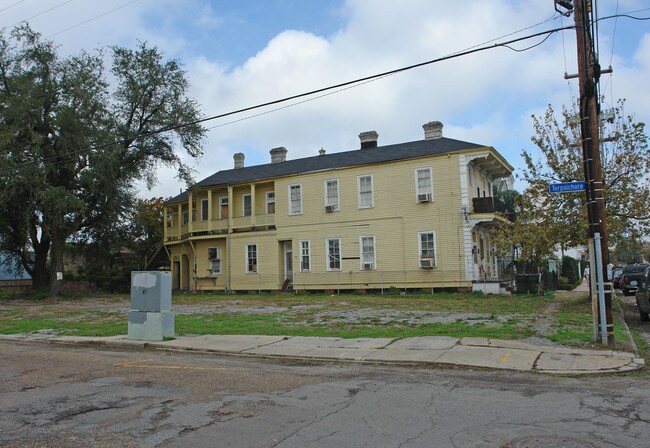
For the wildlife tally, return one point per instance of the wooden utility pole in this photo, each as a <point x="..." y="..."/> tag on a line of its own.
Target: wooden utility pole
<point x="588" y="77"/>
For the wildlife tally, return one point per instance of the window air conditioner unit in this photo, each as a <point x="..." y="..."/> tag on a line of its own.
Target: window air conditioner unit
<point x="367" y="266"/>
<point x="330" y="208"/>
<point x="424" y="197"/>
<point x="426" y="262"/>
<point x="212" y="253"/>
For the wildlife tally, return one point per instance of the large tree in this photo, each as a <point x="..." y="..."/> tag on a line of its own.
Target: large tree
<point x="547" y="220"/>
<point x="72" y="145"/>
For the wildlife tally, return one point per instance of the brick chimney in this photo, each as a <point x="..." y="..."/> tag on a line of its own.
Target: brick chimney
<point x="278" y="154"/>
<point x="432" y="129"/>
<point x="368" y="139"/>
<point x="239" y="160"/>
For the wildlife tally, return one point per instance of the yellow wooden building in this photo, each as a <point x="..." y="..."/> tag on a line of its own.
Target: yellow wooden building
<point x="413" y="215"/>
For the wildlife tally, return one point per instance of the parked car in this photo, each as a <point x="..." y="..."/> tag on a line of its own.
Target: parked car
<point x="617" y="274"/>
<point x="632" y="274"/>
<point x="643" y="296"/>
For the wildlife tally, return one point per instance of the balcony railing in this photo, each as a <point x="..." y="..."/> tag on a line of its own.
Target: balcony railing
<point x="491" y="205"/>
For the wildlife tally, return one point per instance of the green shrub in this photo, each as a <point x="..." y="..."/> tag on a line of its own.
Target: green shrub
<point x="570" y="270"/>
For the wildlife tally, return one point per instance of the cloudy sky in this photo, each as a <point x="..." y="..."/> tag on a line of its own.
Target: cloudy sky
<point x="239" y="53"/>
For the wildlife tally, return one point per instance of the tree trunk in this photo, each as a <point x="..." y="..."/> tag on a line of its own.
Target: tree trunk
<point x="56" y="262"/>
<point x="39" y="272"/>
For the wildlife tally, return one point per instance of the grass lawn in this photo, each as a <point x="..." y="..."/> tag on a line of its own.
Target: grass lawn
<point x="566" y="320"/>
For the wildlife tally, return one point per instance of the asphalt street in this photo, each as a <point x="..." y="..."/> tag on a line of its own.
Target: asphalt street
<point x="72" y="396"/>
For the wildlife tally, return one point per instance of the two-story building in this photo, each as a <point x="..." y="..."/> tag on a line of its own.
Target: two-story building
<point x="412" y="215"/>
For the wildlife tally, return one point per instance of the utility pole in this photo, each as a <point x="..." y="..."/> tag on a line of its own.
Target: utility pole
<point x="588" y="76"/>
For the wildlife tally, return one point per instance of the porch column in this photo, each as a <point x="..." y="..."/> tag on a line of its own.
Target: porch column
<point x="210" y="221"/>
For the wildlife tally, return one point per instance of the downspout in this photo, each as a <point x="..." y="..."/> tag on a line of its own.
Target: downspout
<point x="228" y="277"/>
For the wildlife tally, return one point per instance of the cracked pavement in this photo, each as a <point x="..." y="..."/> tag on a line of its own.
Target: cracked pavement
<point x="57" y="396"/>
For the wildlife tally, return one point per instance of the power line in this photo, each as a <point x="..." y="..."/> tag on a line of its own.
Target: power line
<point x="93" y="18"/>
<point x="300" y="95"/>
<point x="335" y="88"/>
<point x="43" y="12"/>
<point x="11" y="6"/>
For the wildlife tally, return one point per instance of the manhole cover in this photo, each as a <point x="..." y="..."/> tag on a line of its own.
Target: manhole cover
<point x="548" y="442"/>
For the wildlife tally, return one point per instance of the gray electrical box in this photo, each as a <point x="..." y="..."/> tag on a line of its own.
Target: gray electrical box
<point x="151" y="318"/>
<point x="151" y="290"/>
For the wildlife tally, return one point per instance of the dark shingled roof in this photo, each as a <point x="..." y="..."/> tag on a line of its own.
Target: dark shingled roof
<point x="357" y="157"/>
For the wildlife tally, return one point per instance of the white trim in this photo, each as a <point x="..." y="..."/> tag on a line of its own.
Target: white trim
<point x="337" y="206"/>
<point x="308" y="255"/>
<point x="243" y="204"/>
<point x="435" y="248"/>
<point x="372" y="191"/>
<point x="222" y="203"/>
<point x="217" y="258"/>
<point x="417" y="187"/>
<point x="268" y="193"/>
<point x="204" y="206"/>
<point x="257" y="257"/>
<point x="327" y="254"/>
<point x="289" y="194"/>
<point x="374" y="252"/>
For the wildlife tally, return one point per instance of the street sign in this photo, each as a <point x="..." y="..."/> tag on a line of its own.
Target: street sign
<point x="568" y="187"/>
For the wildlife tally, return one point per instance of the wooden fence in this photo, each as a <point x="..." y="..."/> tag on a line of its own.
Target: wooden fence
<point x="15" y="285"/>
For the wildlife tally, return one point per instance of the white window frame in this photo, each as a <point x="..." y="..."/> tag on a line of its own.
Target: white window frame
<point x="337" y="203"/>
<point x="186" y="217"/>
<point x="204" y="210"/>
<point x="170" y="219"/>
<point x="223" y="200"/>
<point x="213" y="261"/>
<point x="327" y="254"/>
<point x="291" y="211"/>
<point x="247" y="260"/>
<point x="372" y="191"/>
<point x="362" y="258"/>
<point x="270" y="199"/>
<point x="305" y="254"/>
<point x="418" y="190"/>
<point x="243" y="204"/>
<point x="435" y="249"/>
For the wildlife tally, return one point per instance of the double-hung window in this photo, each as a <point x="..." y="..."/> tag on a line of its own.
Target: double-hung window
<point x="204" y="210"/>
<point x="427" y="249"/>
<point x="305" y="256"/>
<point x="367" y="256"/>
<point x="214" y="256"/>
<point x="366" y="199"/>
<point x="423" y="185"/>
<point x="223" y="207"/>
<point x="331" y="195"/>
<point x="251" y="258"/>
<point x="270" y="202"/>
<point x="333" y="254"/>
<point x="295" y="199"/>
<point x="246" y="200"/>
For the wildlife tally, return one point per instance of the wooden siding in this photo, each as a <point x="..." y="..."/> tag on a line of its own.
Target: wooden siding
<point x="394" y="221"/>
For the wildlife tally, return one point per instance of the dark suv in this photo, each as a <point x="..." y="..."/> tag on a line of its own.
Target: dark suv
<point x="643" y="296"/>
<point x="632" y="274"/>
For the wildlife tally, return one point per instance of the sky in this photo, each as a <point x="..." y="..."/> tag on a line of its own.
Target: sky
<point x="240" y="53"/>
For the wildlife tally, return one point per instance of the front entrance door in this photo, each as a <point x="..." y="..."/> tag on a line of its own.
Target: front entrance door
<point x="288" y="261"/>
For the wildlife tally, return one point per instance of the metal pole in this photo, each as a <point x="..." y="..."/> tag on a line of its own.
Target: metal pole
<point x="600" y="285"/>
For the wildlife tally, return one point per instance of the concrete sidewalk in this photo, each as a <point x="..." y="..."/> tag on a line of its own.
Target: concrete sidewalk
<point x="429" y="350"/>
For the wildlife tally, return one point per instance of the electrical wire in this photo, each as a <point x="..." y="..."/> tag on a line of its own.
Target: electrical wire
<point x="12" y="5"/>
<point x="94" y="18"/>
<point x="297" y="96"/>
<point x="42" y="12"/>
<point x="335" y="88"/>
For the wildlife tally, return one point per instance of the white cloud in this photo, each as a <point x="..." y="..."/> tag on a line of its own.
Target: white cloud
<point x="485" y="97"/>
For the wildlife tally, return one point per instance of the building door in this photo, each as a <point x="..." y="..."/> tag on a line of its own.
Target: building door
<point x="288" y="261"/>
<point x="177" y="275"/>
